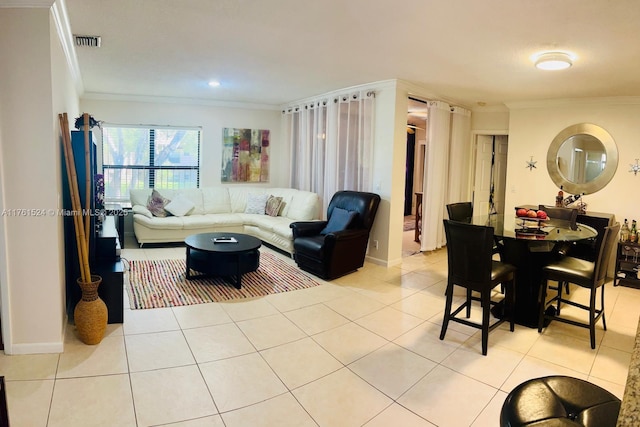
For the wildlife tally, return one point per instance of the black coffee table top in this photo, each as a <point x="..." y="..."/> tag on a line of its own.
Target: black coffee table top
<point x="204" y="242"/>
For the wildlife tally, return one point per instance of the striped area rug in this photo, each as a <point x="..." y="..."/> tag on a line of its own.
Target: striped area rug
<point x="161" y="283"/>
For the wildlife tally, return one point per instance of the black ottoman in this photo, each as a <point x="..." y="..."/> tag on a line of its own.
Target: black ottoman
<point x="558" y="401"/>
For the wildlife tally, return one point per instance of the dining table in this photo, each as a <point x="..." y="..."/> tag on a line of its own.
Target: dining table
<point x="529" y="244"/>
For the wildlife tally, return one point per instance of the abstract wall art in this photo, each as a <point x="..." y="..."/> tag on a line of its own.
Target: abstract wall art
<point x="245" y="155"/>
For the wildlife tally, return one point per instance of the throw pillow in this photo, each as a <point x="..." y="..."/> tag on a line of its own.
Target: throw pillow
<point x="179" y="206"/>
<point x="340" y="220"/>
<point x="256" y="203"/>
<point x="156" y="204"/>
<point x="272" y="208"/>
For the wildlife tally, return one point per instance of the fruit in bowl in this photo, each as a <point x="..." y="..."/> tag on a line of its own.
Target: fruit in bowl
<point x="542" y="215"/>
<point x="521" y="212"/>
<point x="532" y="214"/>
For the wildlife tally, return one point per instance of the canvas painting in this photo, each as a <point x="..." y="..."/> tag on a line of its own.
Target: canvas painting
<point x="245" y="155"/>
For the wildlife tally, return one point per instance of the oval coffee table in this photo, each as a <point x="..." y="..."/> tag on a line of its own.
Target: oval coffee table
<point x="209" y="255"/>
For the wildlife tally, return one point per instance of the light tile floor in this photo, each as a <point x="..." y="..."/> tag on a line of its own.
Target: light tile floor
<point x="362" y="350"/>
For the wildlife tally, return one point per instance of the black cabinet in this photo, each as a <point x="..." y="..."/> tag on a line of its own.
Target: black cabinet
<point x="627" y="262"/>
<point x="72" y="264"/>
<point x="104" y="243"/>
<point x="109" y="266"/>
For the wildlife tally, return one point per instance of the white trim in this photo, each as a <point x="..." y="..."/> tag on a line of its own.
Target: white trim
<point x="61" y="19"/>
<point x="384" y="84"/>
<point x="572" y="102"/>
<point x="151" y="126"/>
<point x="5" y="309"/>
<point x="26" y="4"/>
<point x="37" y="348"/>
<point x="175" y="100"/>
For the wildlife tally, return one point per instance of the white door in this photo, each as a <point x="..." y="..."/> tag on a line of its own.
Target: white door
<point x="490" y="171"/>
<point x="500" y="172"/>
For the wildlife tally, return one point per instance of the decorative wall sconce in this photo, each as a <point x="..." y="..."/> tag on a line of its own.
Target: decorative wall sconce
<point x="531" y="164"/>
<point x="635" y="168"/>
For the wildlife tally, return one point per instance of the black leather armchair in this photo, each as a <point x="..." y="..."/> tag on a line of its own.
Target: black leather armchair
<point x="335" y="253"/>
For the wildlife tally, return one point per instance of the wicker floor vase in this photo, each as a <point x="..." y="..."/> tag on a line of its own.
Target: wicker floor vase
<point x="90" y="314"/>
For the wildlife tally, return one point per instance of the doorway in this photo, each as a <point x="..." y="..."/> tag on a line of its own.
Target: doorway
<point x="414" y="173"/>
<point x="490" y="174"/>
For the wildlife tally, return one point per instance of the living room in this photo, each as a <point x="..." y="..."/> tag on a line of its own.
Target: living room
<point x="40" y="85"/>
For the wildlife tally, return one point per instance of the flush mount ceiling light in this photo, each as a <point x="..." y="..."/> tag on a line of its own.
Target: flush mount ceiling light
<point x="554" y="61"/>
<point x="214" y="83"/>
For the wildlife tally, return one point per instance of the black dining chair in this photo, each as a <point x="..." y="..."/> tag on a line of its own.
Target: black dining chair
<point x="586" y="274"/>
<point x="567" y="214"/>
<point x="461" y="211"/>
<point x="562" y="248"/>
<point x="469" y="254"/>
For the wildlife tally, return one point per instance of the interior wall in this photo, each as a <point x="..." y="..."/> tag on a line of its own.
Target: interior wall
<point x="212" y="119"/>
<point x="34" y="90"/>
<point x="532" y="127"/>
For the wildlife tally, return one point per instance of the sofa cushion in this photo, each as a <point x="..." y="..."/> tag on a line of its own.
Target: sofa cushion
<point x="180" y="205"/>
<point x="340" y="220"/>
<point x="256" y="203"/>
<point x="156" y="204"/>
<point x="194" y="195"/>
<point x="216" y="200"/>
<point x="209" y="220"/>
<point x="302" y="206"/>
<point x="272" y="208"/>
<point x="139" y="196"/>
<point x="159" y="223"/>
<point x="142" y="210"/>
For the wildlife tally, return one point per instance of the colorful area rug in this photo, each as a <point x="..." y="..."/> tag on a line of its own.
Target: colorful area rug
<point x="161" y="283"/>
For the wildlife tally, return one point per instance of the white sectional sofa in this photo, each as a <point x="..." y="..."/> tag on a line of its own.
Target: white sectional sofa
<point x="222" y="209"/>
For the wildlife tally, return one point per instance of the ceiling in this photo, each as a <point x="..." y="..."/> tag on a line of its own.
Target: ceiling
<point x="468" y="52"/>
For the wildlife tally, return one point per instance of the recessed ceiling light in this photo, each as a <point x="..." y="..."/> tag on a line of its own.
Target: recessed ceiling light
<point x="553" y="61"/>
<point x="214" y="83"/>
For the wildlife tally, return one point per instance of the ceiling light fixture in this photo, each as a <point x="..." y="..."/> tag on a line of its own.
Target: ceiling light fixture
<point x="554" y="61"/>
<point x="214" y="83"/>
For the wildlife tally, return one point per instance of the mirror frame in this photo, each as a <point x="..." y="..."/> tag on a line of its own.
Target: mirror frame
<point x="601" y="180"/>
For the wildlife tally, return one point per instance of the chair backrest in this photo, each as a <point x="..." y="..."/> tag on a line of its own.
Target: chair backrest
<point x="609" y="241"/>
<point x="461" y="211"/>
<point x="554" y="212"/>
<point x="469" y="253"/>
<point x="365" y="204"/>
<point x="566" y="214"/>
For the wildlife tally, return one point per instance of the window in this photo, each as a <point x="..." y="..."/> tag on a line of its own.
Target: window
<point x="149" y="157"/>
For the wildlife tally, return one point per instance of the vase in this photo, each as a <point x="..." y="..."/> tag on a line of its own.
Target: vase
<point x="90" y="314"/>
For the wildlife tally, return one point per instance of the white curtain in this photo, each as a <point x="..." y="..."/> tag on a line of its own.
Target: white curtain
<point x="331" y="144"/>
<point x="459" y="155"/>
<point x="435" y="176"/>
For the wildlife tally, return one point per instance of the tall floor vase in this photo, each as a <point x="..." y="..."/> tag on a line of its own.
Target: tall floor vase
<point x="90" y="314"/>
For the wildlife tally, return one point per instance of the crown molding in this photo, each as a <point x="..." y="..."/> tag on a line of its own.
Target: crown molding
<point x="383" y="84"/>
<point x="26" y="3"/>
<point x="545" y="103"/>
<point x="175" y="100"/>
<point x="63" y="28"/>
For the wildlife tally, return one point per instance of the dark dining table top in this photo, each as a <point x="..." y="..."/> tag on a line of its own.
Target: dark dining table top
<point x="550" y="230"/>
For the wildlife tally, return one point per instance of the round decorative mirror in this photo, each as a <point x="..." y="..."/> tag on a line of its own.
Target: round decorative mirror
<point x="582" y="159"/>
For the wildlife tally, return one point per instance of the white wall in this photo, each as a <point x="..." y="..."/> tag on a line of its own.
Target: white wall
<point x="533" y="126"/>
<point x="486" y="121"/>
<point x="33" y="83"/>
<point x="389" y="147"/>
<point x="212" y="119"/>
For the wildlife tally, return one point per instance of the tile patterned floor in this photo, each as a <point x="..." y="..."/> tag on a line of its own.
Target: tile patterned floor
<point x="362" y="350"/>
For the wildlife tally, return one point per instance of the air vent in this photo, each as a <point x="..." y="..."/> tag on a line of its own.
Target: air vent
<point x="88" y="41"/>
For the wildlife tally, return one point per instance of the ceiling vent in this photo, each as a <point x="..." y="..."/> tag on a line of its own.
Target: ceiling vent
<point x="88" y="41"/>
